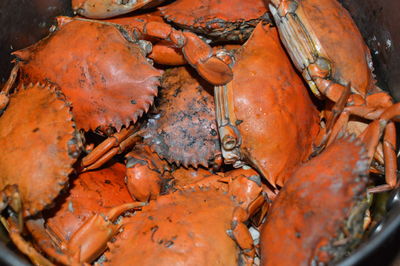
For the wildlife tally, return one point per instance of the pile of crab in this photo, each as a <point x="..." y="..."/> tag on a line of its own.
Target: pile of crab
<point x="195" y="133"/>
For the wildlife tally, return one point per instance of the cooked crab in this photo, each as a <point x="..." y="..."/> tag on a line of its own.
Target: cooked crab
<point x="80" y="226"/>
<point x="232" y="20"/>
<point x="304" y="212"/>
<point x="328" y="49"/>
<point x="110" y="8"/>
<point x="39" y="147"/>
<point x="39" y="144"/>
<point x="82" y="58"/>
<point x="265" y="115"/>
<point x="181" y="128"/>
<point x="180" y="228"/>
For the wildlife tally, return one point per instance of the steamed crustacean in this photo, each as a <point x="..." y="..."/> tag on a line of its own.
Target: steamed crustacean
<point x="232" y="20"/>
<point x="317" y="212"/>
<point x="181" y="130"/>
<point x="79" y="228"/>
<point x="101" y="97"/>
<point x="148" y="176"/>
<point x="265" y="115"/>
<point x="324" y="229"/>
<point x="195" y="51"/>
<point x="101" y="9"/>
<point x="39" y="144"/>
<point x="181" y="228"/>
<point x="82" y="58"/>
<point x="181" y="127"/>
<point x="328" y="49"/>
<point x="265" y="119"/>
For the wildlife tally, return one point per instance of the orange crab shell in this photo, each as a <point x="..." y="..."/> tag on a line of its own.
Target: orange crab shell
<point x="270" y="107"/>
<point x="106" y="78"/>
<point x="101" y="9"/>
<point x="132" y="23"/>
<point x="311" y="209"/>
<point x="324" y="29"/>
<point x="184" y="132"/>
<point x="147" y="175"/>
<point x="90" y="193"/>
<point x="222" y="20"/>
<point x="187" y="176"/>
<point x="39" y="145"/>
<point x="178" y="228"/>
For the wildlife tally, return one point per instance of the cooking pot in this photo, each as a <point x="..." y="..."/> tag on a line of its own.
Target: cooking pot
<point x="23" y="22"/>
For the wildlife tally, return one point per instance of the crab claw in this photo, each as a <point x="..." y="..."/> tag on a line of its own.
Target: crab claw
<point x="106" y="8"/>
<point x="91" y="239"/>
<point x="115" y="144"/>
<point x="3" y="101"/>
<point x="200" y="56"/>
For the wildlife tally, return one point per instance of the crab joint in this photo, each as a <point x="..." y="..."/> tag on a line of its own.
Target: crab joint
<point x="229" y="138"/>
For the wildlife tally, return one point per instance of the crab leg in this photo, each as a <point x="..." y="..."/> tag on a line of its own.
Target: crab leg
<point x="27" y="248"/>
<point x="369" y="113"/>
<point x="239" y="231"/>
<point x="87" y="243"/>
<point x="46" y="243"/>
<point x="165" y="55"/>
<point x="115" y="144"/>
<point x="338" y="108"/>
<point x="389" y="153"/>
<point x="11" y="197"/>
<point x="4" y="99"/>
<point x="196" y="51"/>
<point x="90" y="240"/>
<point x="371" y="138"/>
<point x="304" y="213"/>
<point x="229" y="134"/>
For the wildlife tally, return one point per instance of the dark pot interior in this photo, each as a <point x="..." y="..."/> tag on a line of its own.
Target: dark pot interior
<point x="23" y="22"/>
